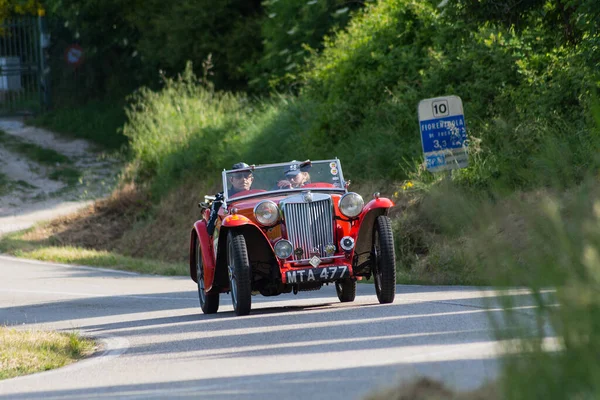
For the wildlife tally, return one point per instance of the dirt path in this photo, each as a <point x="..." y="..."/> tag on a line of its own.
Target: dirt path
<point x="30" y="195"/>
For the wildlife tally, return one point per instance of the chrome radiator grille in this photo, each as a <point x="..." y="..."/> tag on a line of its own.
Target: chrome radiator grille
<point x="309" y="227"/>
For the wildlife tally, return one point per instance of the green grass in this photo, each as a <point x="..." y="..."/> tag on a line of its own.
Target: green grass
<point x="32" y="151"/>
<point x="4" y="184"/>
<point x="98" y="121"/>
<point x="15" y="244"/>
<point x="69" y="175"/>
<point x="27" y="352"/>
<point x="59" y="164"/>
<point x="7" y="186"/>
<point x="15" y="103"/>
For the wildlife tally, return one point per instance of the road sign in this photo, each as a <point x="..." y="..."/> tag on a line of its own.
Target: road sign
<point x="74" y="55"/>
<point x="443" y="133"/>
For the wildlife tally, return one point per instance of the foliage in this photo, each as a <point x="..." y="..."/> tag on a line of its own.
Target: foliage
<point x="191" y="31"/>
<point x="120" y="39"/>
<point x="98" y="121"/>
<point x="110" y="67"/>
<point x="182" y="130"/>
<point x="291" y="31"/>
<point x="524" y="95"/>
<point x="11" y="8"/>
<point x="402" y="51"/>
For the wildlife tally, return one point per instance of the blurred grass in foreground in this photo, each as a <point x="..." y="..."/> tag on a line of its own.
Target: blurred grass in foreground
<point x="553" y="242"/>
<point x="27" y="352"/>
<point x="545" y="238"/>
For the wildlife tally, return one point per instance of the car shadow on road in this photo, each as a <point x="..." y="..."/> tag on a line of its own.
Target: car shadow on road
<point x="335" y="383"/>
<point x="284" y="317"/>
<point x="333" y="330"/>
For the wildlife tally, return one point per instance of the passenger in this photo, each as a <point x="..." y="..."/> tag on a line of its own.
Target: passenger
<point x="296" y="176"/>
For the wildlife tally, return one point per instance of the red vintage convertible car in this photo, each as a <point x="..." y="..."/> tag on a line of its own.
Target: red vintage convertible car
<point x="276" y="237"/>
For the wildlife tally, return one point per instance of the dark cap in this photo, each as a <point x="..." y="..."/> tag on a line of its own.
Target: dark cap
<point x="296" y="167"/>
<point x="240" y="165"/>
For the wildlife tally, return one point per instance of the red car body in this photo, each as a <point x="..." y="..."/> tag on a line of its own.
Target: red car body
<point x="311" y="220"/>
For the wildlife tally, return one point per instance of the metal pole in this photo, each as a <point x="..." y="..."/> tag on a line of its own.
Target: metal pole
<point x="44" y="92"/>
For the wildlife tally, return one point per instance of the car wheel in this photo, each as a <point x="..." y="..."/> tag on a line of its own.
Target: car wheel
<point x="209" y="302"/>
<point x="383" y="258"/>
<point x="346" y="290"/>
<point x="239" y="273"/>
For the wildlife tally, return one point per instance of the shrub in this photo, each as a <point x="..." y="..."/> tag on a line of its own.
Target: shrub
<point x="291" y="30"/>
<point x="185" y="129"/>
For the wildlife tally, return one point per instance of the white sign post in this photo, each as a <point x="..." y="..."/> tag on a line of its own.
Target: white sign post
<point x="443" y="133"/>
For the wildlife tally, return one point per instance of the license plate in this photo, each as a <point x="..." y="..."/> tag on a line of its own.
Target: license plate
<point x="317" y="274"/>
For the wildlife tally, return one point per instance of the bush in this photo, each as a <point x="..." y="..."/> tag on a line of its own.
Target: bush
<point x="524" y="96"/>
<point x="185" y="129"/>
<point x="98" y="121"/>
<point x="291" y="30"/>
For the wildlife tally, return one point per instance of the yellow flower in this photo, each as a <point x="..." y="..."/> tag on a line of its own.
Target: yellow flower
<point x="407" y="185"/>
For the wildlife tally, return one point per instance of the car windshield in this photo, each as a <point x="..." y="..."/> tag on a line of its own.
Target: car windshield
<point x="323" y="175"/>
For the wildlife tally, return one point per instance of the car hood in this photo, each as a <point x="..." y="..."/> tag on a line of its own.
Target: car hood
<point x="249" y="204"/>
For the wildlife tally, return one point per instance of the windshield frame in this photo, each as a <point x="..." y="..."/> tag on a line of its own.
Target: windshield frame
<point x="253" y="168"/>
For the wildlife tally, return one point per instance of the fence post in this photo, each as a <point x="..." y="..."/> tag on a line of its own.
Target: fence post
<point x="44" y="69"/>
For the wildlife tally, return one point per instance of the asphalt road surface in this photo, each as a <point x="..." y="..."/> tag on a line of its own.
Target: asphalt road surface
<point x="156" y="343"/>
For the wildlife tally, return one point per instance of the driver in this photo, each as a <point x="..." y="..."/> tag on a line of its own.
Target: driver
<point x="240" y="181"/>
<point x="296" y="176"/>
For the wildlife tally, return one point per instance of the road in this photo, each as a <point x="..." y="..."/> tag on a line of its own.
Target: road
<point x="31" y="194"/>
<point x="156" y="343"/>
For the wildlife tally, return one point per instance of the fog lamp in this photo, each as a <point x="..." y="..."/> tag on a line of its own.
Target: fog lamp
<point x="283" y="249"/>
<point x="347" y="243"/>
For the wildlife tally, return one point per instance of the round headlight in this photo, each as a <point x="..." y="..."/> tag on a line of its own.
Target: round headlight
<point x="351" y="204"/>
<point x="266" y="213"/>
<point x="283" y="249"/>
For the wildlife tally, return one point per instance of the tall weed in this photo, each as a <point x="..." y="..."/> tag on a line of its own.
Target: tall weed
<point x="186" y="129"/>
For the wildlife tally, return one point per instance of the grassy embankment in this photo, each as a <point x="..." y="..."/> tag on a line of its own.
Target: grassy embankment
<point x="27" y="352"/>
<point x="93" y="236"/>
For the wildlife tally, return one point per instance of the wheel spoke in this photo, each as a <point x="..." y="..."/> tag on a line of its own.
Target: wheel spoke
<point x="233" y="284"/>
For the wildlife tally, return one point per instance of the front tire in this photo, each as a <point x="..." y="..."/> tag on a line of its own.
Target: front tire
<point x="346" y="290"/>
<point x="209" y="302"/>
<point x="239" y="273"/>
<point x="383" y="257"/>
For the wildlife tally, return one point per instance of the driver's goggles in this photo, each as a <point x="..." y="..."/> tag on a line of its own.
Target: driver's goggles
<point x="243" y="175"/>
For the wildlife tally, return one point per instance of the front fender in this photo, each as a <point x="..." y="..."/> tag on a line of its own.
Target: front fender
<point x="260" y="249"/>
<point x="208" y="259"/>
<point x="234" y="220"/>
<point x="363" y="230"/>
